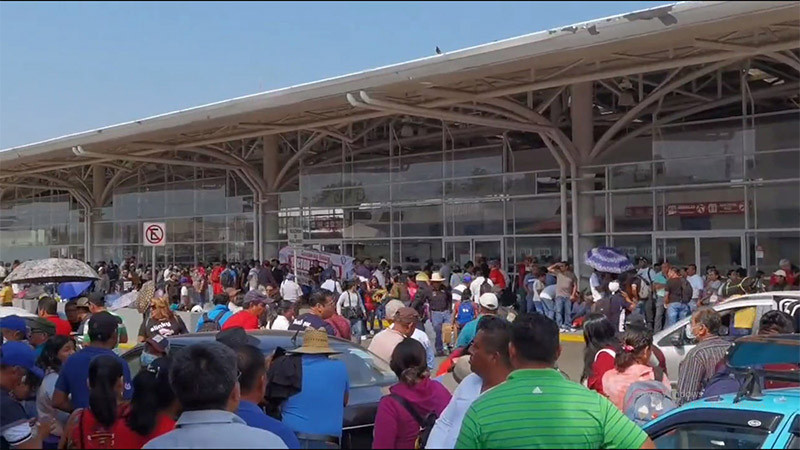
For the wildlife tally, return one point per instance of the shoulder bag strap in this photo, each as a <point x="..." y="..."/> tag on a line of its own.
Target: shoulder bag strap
<point x="408" y="407"/>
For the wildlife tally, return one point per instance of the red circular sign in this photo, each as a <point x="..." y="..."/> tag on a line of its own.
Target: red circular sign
<point x="154" y="234"/>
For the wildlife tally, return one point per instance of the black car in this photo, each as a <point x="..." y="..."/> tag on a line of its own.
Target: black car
<point x="370" y="376"/>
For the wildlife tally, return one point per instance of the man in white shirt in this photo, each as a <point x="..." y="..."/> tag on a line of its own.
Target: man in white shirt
<point x="594" y="285"/>
<point x="332" y="285"/>
<point x="490" y="364"/>
<point x="286" y="313"/>
<point x="697" y="285"/>
<point x="460" y="288"/>
<point x="290" y="290"/>
<point x="378" y="273"/>
<point x="475" y="286"/>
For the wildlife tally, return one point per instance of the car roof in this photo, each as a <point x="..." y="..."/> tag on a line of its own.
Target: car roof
<point x="269" y="339"/>
<point x="782" y="401"/>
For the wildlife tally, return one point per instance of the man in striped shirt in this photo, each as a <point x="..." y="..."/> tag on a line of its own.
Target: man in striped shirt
<point x="700" y="362"/>
<point x="538" y="408"/>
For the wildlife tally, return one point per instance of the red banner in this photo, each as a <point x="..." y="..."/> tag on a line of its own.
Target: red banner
<point x="688" y="209"/>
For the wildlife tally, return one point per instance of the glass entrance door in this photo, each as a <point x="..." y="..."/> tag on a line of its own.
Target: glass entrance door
<point x="461" y="251"/>
<point x="723" y="251"/>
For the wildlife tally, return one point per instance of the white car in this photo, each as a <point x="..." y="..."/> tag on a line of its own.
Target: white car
<point x="740" y="317"/>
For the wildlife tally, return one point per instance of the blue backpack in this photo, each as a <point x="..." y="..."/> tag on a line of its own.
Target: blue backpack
<point x="466" y="313"/>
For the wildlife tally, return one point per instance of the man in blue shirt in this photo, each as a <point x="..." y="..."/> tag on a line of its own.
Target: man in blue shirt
<point x="316" y="413"/>
<point x="72" y="378"/>
<point x="488" y="307"/>
<point x="322" y="307"/>
<point x="253" y="382"/>
<point x="220" y="307"/>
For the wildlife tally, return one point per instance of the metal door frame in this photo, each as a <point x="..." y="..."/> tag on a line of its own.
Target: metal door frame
<point x="472" y="240"/>
<point x="698" y="235"/>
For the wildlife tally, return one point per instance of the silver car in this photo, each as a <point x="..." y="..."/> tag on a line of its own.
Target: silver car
<point x="740" y="317"/>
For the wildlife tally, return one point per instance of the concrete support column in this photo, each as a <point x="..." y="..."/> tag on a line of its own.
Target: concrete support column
<point x="92" y="230"/>
<point x="269" y="214"/>
<point x="581" y="105"/>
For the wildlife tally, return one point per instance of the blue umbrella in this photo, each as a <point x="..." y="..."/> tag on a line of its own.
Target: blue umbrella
<point x="72" y="289"/>
<point x="608" y="259"/>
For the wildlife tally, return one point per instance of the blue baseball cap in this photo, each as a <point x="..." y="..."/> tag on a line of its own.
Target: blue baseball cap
<point x="20" y="354"/>
<point x="15" y="323"/>
<point x="467" y="278"/>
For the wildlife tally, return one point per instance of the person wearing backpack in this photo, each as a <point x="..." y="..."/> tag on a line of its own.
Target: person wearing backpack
<point x="407" y="415"/>
<point x="678" y="296"/>
<point x="214" y="320"/>
<point x="632" y="378"/>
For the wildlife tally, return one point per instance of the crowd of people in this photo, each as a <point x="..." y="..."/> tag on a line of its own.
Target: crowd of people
<point x="63" y="386"/>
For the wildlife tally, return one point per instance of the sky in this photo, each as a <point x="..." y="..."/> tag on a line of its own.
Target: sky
<point x="70" y="67"/>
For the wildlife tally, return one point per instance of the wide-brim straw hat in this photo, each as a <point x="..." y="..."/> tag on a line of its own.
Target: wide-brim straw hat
<point x="422" y="276"/>
<point x="437" y="277"/>
<point x="315" y="342"/>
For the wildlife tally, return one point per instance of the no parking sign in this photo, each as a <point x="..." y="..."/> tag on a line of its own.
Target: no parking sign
<point x="155" y="234"/>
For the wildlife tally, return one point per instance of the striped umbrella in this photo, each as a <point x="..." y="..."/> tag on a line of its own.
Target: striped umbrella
<point x="608" y="259"/>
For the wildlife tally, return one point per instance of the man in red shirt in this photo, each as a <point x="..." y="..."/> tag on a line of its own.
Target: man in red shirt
<point x="48" y="309"/>
<point x="496" y="275"/>
<point x="255" y="304"/>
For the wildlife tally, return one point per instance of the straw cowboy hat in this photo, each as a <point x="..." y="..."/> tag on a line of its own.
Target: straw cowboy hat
<point x="437" y="277"/>
<point x="315" y="342"/>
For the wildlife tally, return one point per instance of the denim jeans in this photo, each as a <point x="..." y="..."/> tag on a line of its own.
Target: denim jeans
<point x="356" y="330"/>
<point x="438" y="318"/>
<point x="563" y="312"/>
<point x="676" y="311"/>
<point x="548" y="308"/>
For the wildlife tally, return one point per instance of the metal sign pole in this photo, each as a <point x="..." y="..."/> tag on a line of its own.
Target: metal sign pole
<point x="154" y="264"/>
<point x="294" y="250"/>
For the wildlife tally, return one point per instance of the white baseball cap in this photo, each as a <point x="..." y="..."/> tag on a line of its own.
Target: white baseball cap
<point x="488" y="300"/>
<point x="780" y="273"/>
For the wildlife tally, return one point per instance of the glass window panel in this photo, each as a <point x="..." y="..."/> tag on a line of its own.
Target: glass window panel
<point x="181" y="230"/>
<point x="126" y="206"/>
<point x="702" y="209"/>
<point x="775" y="246"/>
<point x="521" y="184"/>
<point x="774" y="166"/>
<point x="126" y="232"/>
<point x="365" y="195"/>
<point x="151" y="203"/>
<point x="415" y="252"/>
<point x="467" y="219"/>
<point x="213" y="252"/>
<point x="586" y="243"/>
<point x="179" y="199"/>
<point x="289" y="199"/>
<point x="320" y="177"/>
<point x="419" y="220"/>
<point x="592" y="209"/>
<point x="634" y="245"/>
<point x="366" y="223"/>
<point x="418" y="167"/>
<point x="215" y="229"/>
<point x="326" y="224"/>
<point x="417" y="192"/>
<point x="544" y="249"/>
<point x="778" y="132"/>
<point x="777" y="206"/>
<point x="474" y="187"/>
<point x="328" y="197"/>
<point x="374" y="250"/>
<point x="369" y="172"/>
<point x="527" y="159"/>
<point x="594" y="179"/>
<point x="241" y="228"/>
<point x="724" y="252"/>
<point x="77" y="233"/>
<point x="210" y="196"/>
<point x="103" y="233"/>
<point x="479" y="161"/>
<point x="185" y="254"/>
<point x="632" y="212"/>
<point x="240" y="251"/>
<point x="534" y="216"/>
<point x="631" y="175"/>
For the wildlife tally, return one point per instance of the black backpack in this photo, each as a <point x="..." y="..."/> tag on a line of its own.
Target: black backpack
<point x="211" y="325"/>
<point x="425" y="424"/>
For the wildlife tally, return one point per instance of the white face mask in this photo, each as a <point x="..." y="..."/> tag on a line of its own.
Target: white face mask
<point x="613" y="286"/>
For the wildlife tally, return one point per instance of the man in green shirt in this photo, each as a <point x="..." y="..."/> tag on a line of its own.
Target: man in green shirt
<point x="97" y="303"/>
<point x="538" y="408"/>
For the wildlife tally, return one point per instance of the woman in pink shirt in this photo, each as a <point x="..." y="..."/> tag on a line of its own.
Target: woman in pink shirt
<point x="395" y="425"/>
<point x="631" y="365"/>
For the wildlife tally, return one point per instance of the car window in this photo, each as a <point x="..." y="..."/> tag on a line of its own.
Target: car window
<point x="706" y="435"/>
<point x="363" y="368"/>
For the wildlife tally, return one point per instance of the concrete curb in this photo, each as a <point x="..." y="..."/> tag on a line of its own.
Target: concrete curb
<point x="576" y="338"/>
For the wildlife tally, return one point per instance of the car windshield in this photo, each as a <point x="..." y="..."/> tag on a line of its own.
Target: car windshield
<point x="702" y="435"/>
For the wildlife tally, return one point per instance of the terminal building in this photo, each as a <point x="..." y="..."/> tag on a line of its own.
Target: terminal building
<point x="672" y="132"/>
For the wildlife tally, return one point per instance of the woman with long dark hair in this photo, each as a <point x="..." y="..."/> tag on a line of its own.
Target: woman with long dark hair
<point x="93" y="427"/>
<point x="602" y="346"/>
<point x="632" y="364"/>
<point x="395" y="424"/>
<point x="54" y="353"/>
<point x="153" y="407"/>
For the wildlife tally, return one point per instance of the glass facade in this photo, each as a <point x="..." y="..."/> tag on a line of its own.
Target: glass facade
<point x="723" y="191"/>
